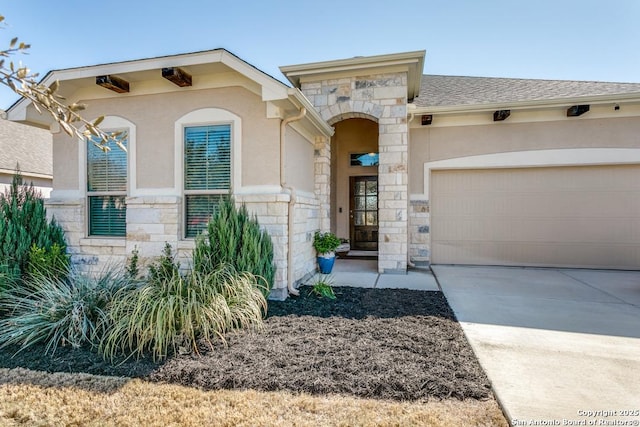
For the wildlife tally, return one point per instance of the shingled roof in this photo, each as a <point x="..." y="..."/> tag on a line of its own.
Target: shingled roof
<point x="440" y="91"/>
<point x="26" y="145"/>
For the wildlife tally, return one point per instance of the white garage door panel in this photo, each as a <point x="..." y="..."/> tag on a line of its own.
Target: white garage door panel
<point x="560" y="216"/>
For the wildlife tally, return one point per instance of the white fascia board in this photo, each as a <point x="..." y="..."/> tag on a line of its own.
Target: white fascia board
<point x="527" y="105"/>
<point x="17" y="112"/>
<point x="412" y="62"/>
<point x="272" y="89"/>
<point x="312" y="114"/>
<point x="138" y="65"/>
<point x="349" y="67"/>
<point x="352" y="63"/>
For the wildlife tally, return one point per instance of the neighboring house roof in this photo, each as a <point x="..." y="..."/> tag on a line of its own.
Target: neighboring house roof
<point x="26" y="145"/>
<point x="440" y="91"/>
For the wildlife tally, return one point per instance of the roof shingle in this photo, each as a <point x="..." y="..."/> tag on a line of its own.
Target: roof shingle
<point x="26" y="145"/>
<point x="438" y="91"/>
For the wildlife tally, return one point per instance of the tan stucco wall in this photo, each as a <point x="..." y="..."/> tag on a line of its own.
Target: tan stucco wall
<point x="299" y="161"/>
<point x="351" y="136"/>
<point x="155" y="117"/>
<point x="65" y="162"/>
<point x="430" y="143"/>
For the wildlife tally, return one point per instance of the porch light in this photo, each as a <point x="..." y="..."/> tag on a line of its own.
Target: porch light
<point x="577" y="110"/>
<point x="113" y="83"/>
<point x="501" y="115"/>
<point x="427" y="119"/>
<point x="177" y="76"/>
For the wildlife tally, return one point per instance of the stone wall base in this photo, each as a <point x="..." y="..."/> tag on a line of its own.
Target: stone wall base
<point x="419" y="230"/>
<point x="153" y="221"/>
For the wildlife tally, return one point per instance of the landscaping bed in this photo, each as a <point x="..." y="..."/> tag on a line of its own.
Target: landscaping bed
<point x="374" y="343"/>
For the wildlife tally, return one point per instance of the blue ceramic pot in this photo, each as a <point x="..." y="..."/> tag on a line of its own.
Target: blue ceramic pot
<point x="325" y="262"/>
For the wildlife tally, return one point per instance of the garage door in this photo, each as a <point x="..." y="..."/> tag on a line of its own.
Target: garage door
<point x="584" y="216"/>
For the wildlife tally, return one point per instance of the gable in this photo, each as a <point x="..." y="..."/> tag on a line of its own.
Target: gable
<point x="206" y="70"/>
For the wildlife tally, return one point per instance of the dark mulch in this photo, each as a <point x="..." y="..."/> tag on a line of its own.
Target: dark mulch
<point x="374" y="343"/>
<point x="67" y="359"/>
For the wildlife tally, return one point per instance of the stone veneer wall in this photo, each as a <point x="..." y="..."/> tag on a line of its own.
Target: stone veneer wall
<point x="307" y="222"/>
<point x="87" y="253"/>
<point x="382" y="98"/>
<point x="272" y="213"/>
<point x="154" y="220"/>
<point x="271" y="210"/>
<point x="322" y="177"/>
<point x="419" y="231"/>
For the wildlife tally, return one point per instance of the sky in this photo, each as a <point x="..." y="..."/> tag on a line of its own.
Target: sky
<point x="540" y="39"/>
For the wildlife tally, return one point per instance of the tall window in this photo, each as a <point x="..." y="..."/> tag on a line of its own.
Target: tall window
<point x="207" y="173"/>
<point x="106" y="190"/>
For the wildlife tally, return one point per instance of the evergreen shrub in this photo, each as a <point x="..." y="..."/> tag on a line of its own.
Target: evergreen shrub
<point x="23" y="224"/>
<point x="233" y="237"/>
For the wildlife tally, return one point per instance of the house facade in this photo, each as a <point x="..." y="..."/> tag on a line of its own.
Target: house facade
<point x="419" y="168"/>
<point x="29" y="148"/>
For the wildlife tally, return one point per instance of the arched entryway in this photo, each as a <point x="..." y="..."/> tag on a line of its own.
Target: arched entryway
<point x="354" y="182"/>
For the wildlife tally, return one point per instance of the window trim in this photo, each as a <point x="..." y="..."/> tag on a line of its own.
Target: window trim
<point x="110" y="123"/>
<point x="206" y="117"/>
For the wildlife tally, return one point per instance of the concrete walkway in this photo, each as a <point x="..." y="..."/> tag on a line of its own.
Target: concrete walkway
<point x="364" y="274"/>
<point x="560" y="346"/>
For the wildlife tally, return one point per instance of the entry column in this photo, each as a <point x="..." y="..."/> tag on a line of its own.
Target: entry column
<point x="393" y="200"/>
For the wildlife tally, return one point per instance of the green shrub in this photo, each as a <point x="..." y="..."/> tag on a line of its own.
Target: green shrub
<point x="323" y="287"/>
<point x="55" y="312"/>
<point x="23" y="223"/>
<point x="234" y="237"/>
<point x="170" y="312"/>
<point x="52" y="262"/>
<point x="132" y="269"/>
<point x="166" y="268"/>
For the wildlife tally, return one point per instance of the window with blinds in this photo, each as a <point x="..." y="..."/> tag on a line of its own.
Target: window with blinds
<point x="207" y="173"/>
<point x="106" y="190"/>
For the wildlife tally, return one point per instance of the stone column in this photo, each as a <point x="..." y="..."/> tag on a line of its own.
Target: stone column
<point x="393" y="191"/>
<point x="322" y="171"/>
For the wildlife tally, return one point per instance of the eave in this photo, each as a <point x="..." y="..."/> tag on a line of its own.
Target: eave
<point x="526" y="105"/>
<point x="211" y="62"/>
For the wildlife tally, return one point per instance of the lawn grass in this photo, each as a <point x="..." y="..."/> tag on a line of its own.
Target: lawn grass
<point x="34" y="398"/>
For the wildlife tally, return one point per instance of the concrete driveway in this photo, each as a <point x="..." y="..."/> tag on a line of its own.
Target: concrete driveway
<point x="560" y="346"/>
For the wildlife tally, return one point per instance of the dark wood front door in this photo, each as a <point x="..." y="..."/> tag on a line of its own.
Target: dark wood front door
<point x="363" y="212"/>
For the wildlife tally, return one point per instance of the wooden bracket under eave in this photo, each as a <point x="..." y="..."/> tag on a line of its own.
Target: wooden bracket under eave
<point x="577" y="110"/>
<point x="113" y="83"/>
<point x="177" y="76"/>
<point x="501" y="115"/>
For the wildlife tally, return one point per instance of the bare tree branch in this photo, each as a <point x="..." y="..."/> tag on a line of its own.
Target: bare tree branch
<point x="46" y="99"/>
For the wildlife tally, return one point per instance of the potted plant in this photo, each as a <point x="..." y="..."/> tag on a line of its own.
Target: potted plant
<point x="325" y="245"/>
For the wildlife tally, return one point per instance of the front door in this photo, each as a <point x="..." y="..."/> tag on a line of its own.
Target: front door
<point x="363" y="212"/>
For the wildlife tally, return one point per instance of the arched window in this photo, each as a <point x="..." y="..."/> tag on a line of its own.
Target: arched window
<point x="107" y="182"/>
<point x="208" y="139"/>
